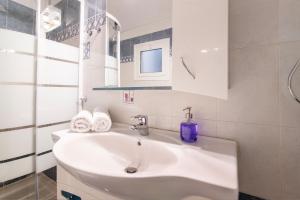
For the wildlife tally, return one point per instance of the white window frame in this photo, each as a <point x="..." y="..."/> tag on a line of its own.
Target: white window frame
<point x="163" y="44"/>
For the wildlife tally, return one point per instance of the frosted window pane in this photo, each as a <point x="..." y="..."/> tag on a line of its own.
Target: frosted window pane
<point x="151" y="61"/>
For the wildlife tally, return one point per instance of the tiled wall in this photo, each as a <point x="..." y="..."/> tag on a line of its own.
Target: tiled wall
<point x="17" y="17"/>
<point x="259" y="113"/>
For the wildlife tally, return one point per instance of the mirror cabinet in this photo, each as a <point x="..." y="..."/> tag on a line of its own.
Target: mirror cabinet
<point x="167" y="44"/>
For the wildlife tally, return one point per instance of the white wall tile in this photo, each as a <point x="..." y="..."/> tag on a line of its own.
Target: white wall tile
<point x="258" y="157"/>
<point x="96" y="99"/>
<point x="253" y="94"/>
<point x="56" y="104"/>
<point x="252" y="22"/>
<point x="202" y="107"/>
<point x="17" y="168"/>
<point x="124" y="114"/>
<point x="162" y="122"/>
<point x="157" y="103"/>
<point x="94" y="77"/>
<point x="44" y="140"/>
<point x="16" y="68"/>
<point x="57" y="72"/>
<point x="290" y="162"/>
<point x="207" y="127"/>
<point x="16" y="143"/>
<point x="289" y="20"/>
<point x="16" y="106"/>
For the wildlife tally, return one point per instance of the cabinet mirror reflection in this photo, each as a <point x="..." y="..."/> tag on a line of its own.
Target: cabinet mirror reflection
<point x="137" y="39"/>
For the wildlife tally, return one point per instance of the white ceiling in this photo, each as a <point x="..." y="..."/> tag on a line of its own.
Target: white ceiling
<point x="136" y="13"/>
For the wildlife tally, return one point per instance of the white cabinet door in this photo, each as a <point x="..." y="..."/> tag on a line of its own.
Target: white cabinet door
<point x="200" y="37"/>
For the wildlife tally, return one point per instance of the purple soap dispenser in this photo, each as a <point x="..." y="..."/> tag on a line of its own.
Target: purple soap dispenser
<point x="188" y="128"/>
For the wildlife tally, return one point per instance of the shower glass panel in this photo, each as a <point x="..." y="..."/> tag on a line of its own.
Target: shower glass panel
<point x="17" y="104"/>
<point x="57" y="83"/>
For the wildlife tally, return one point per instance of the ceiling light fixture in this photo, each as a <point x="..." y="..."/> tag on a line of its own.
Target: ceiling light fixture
<point x="50" y="18"/>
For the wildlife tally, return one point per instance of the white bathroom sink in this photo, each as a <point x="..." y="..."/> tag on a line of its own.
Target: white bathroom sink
<point x="164" y="170"/>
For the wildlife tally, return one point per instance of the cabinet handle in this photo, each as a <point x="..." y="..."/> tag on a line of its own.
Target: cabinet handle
<point x="187" y="69"/>
<point x="290" y="81"/>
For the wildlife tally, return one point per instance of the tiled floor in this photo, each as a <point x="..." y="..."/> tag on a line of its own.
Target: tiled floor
<point x="25" y="189"/>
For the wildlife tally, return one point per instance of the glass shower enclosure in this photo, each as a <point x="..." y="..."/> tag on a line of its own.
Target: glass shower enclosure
<point x="40" y="87"/>
<point x="57" y="83"/>
<point x="17" y="104"/>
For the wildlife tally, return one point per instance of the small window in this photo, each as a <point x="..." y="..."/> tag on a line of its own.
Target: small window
<point x="151" y="61"/>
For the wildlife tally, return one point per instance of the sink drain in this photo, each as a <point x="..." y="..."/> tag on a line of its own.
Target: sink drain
<point x="131" y="170"/>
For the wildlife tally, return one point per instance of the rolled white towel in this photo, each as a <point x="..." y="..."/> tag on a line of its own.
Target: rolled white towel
<point x="101" y="120"/>
<point x="82" y="122"/>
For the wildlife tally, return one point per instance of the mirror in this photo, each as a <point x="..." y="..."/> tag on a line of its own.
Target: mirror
<point x="112" y="46"/>
<point x="138" y="44"/>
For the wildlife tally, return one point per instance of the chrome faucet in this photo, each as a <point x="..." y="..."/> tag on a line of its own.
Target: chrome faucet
<point x="142" y="125"/>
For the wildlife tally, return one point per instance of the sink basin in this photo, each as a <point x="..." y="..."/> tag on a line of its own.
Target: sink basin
<point x="110" y="153"/>
<point x="161" y="170"/>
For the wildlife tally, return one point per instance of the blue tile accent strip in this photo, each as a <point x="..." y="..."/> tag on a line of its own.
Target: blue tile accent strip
<point x="127" y="46"/>
<point x="3" y="3"/>
<point x="17" y="17"/>
<point x="20" y="18"/>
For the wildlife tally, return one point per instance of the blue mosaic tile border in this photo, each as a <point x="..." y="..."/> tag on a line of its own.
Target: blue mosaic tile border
<point x="127" y="50"/>
<point x="17" y="17"/>
<point x="95" y="18"/>
<point x="69" y="21"/>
